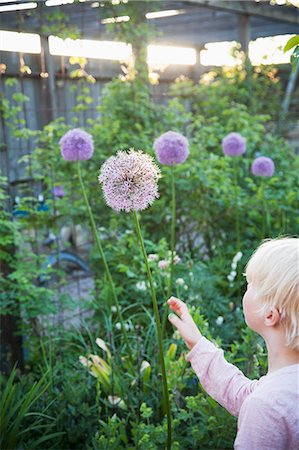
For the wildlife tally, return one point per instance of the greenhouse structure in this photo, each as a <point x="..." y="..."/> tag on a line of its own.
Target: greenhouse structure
<point x="149" y="246"/>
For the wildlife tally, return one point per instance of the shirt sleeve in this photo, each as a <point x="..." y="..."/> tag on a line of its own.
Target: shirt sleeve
<point x="260" y="426"/>
<point x="222" y="381"/>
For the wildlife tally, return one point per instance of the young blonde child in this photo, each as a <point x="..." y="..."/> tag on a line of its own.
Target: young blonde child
<point x="267" y="409"/>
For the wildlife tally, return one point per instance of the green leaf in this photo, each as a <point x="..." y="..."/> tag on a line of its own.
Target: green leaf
<point x="291" y="43"/>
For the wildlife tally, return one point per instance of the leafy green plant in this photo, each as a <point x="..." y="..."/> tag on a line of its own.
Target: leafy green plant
<point x="293" y="43"/>
<point x="18" y="420"/>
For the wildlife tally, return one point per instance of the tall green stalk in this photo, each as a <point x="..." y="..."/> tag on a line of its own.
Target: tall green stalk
<point x="159" y="332"/>
<point x="101" y="251"/>
<point x="237" y="212"/>
<point x="265" y="216"/>
<point x="237" y="205"/>
<point x="172" y="245"/>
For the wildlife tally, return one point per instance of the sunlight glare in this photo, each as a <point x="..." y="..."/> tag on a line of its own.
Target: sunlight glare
<point x="268" y="50"/>
<point x="11" y="41"/>
<point x="161" y="55"/>
<point x="18" y="7"/>
<point x="117" y="51"/>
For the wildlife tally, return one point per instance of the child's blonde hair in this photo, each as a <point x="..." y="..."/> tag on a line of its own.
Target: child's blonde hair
<point x="273" y="270"/>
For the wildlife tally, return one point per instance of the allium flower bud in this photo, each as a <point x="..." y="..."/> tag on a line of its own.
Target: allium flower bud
<point x="234" y="144"/>
<point x="171" y="148"/>
<point x="263" y="167"/>
<point x="76" y="145"/>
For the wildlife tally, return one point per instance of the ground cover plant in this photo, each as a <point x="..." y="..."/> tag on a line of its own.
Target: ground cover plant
<point x="101" y="386"/>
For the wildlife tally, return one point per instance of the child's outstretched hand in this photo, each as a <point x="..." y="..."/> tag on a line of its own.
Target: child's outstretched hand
<point x="185" y="324"/>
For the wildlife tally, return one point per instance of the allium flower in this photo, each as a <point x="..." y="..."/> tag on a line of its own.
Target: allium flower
<point x="130" y="181"/>
<point x="58" y="191"/>
<point x="171" y="148"/>
<point x="76" y="145"/>
<point x="234" y="144"/>
<point x="180" y="281"/>
<point x="263" y="167"/>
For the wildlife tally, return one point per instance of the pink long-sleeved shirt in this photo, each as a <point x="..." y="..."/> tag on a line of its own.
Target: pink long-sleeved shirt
<point x="267" y="409"/>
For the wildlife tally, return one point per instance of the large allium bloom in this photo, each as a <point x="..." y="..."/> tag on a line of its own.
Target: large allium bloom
<point x="130" y="181"/>
<point x="234" y="144"/>
<point x="76" y="145"/>
<point x="263" y="167"/>
<point x="171" y="148"/>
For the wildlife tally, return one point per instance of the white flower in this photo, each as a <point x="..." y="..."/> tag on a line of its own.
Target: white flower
<point x="141" y="286"/>
<point x="234" y="265"/>
<point x="83" y="361"/>
<point x="100" y="343"/>
<point x="180" y="281"/>
<point x="113" y="309"/>
<point x="113" y="399"/>
<point x="259" y="348"/>
<point x="232" y="275"/>
<point x="127" y="326"/>
<point x="186" y="287"/>
<point x="118" y="326"/>
<point x="144" y="365"/>
<point x="176" y="335"/>
<point x="153" y="257"/>
<point x="163" y="264"/>
<point x="176" y="259"/>
<point x="219" y="320"/>
<point x="237" y="257"/>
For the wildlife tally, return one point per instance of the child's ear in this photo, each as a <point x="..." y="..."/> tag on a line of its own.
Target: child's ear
<point x="272" y="317"/>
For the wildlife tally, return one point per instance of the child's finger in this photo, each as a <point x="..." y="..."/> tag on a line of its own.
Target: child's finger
<point x="178" y="323"/>
<point x="179" y="307"/>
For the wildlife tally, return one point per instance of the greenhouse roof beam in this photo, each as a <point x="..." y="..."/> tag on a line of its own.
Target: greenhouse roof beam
<point x="252" y="9"/>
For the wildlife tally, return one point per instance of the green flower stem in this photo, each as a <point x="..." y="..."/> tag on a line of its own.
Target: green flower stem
<point x="159" y="333"/>
<point x="266" y="218"/>
<point x="237" y="221"/>
<point x="101" y="251"/>
<point x="237" y="205"/>
<point x="173" y="220"/>
<point x="262" y="200"/>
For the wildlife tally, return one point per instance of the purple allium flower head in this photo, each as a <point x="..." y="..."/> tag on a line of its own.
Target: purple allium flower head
<point x="130" y="181"/>
<point x="58" y="191"/>
<point x="263" y="167"/>
<point x="76" y="145"/>
<point x="234" y="144"/>
<point x="171" y="148"/>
